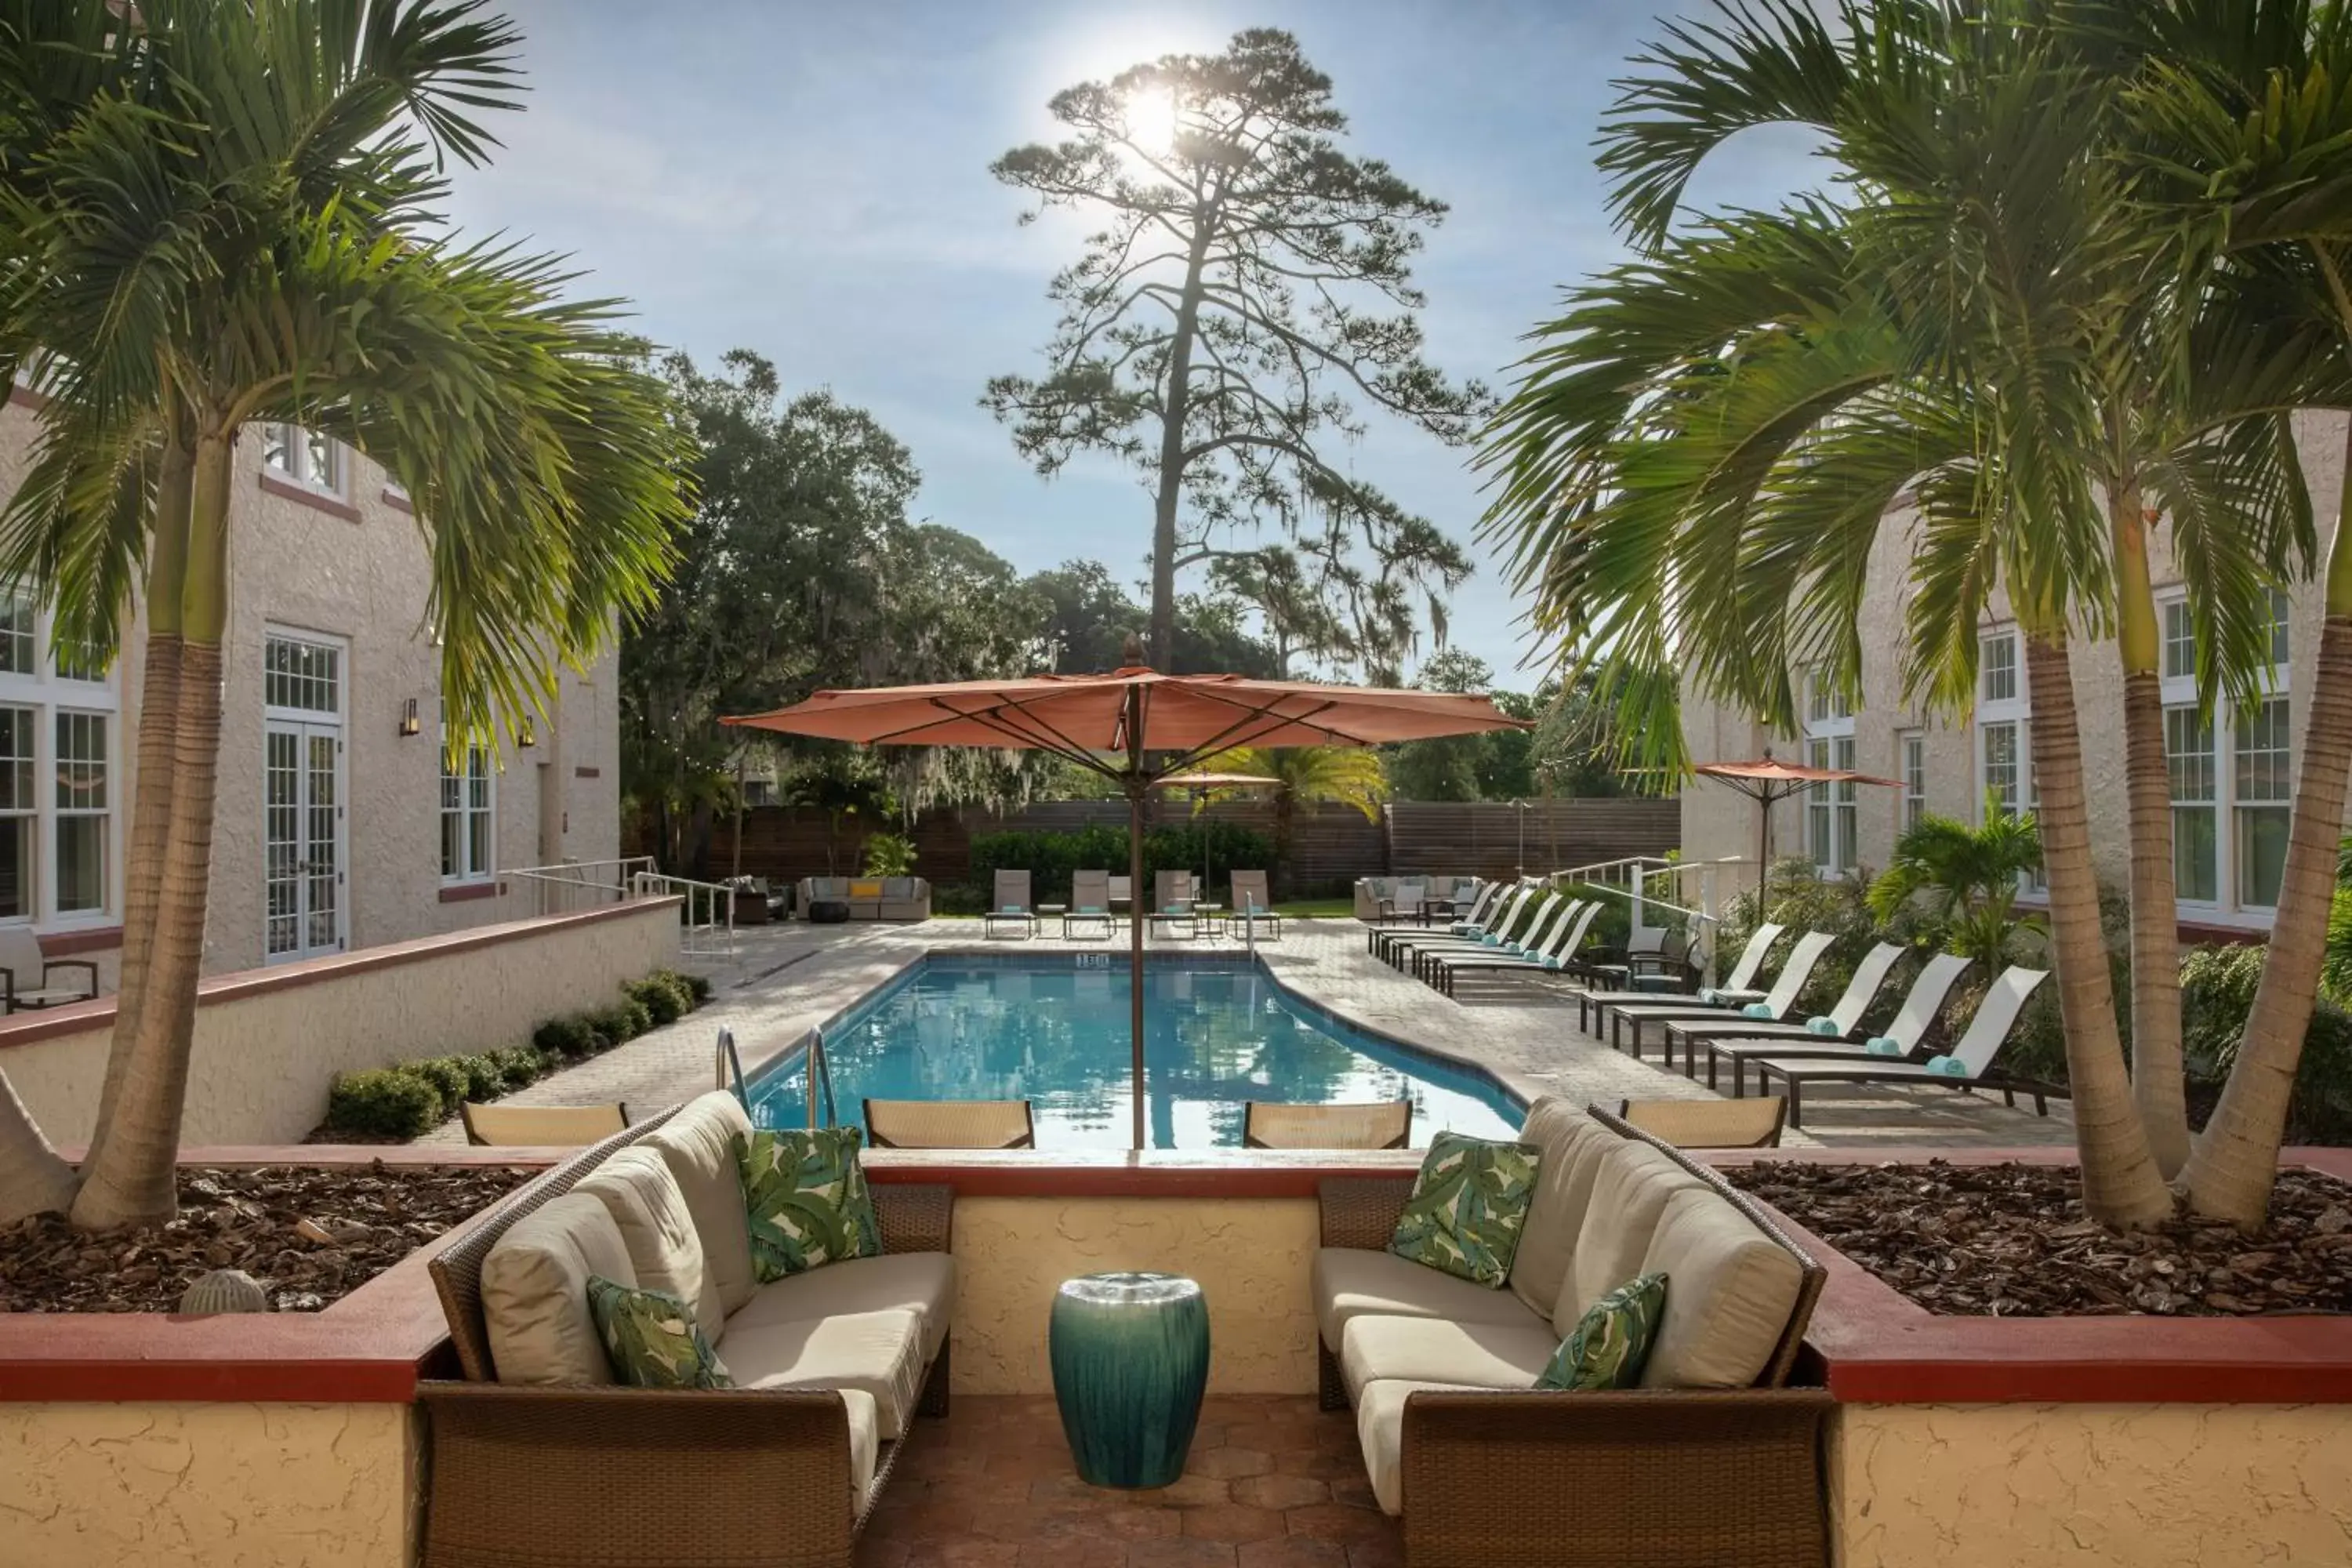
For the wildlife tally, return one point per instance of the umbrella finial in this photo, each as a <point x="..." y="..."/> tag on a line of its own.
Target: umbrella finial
<point x="1130" y="652"/>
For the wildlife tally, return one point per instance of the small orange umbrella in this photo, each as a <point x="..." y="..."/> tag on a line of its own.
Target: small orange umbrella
<point x="1201" y="786"/>
<point x="1768" y="781"/>
<point x="1111" y="724"/>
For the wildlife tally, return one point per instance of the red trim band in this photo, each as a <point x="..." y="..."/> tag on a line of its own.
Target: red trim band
<point x="87" y="939"/>
<point x="466" y="892"/>
<point x="319" y="500"/>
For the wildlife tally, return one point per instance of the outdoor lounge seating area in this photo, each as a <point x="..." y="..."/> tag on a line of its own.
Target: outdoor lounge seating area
<point x="866" y="898"/>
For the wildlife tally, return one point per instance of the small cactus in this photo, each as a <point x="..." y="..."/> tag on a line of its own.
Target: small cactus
<point x="225" y="1290"/>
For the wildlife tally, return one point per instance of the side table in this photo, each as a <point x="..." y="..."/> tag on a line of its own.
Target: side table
<point x="1131" y="1356"/>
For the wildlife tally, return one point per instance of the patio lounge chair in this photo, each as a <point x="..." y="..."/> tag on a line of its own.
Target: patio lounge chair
<point x="1511" y="929"/>
<point x="1089" y="905"/>
<point x="1796" y="973"/>
<point x="1967" y="1067"/>
<point x="1253" y="902"/>
<point x="1547" y="926"/>
<point x="1012" y="908"/>
<point x="1494" y="906"/>
<point x="541" y="1126"/>
<point x="21" y="961"/>
<point x="1122" y="889"/>
<point x="1383" y="1124"/>
<point x="1710" y="1123"/>
<point x="1842" y="1021"/>
<point x="1591" y="1004"/>
<point x="1546" y="957"/>
<point x="1920" y="1006"/>
<point x="951" y="1125"/>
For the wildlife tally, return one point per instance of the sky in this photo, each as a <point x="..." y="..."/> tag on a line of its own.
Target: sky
<point x="810" y="181"/>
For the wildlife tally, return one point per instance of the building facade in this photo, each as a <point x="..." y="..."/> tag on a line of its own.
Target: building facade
<point x="339" y="822"/>
<point x="2232" y="769"/>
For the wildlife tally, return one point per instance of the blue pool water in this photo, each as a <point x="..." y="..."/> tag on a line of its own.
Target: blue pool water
<point x="1056" y="1032"/>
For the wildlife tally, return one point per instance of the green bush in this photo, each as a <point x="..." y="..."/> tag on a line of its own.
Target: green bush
<point x="520" y="1066"/>
<point x="890" y="854"/>
<point x="659" y="999"/>
<point x="447" y="1074"/>
<point x="697" y="987"/>
<point x="2217" y="992"/>
<point x="640" y="1017"/>
<point x="613" y="1025"/>
<point x="485" y="1077"/>
<point x="389" y="1102"/>
<point x="952" y="898"/>
<point x="573" y="1036"/>
<point x="691" y="990"/>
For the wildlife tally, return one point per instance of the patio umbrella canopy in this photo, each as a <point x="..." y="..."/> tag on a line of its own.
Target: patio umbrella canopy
<point x="1137" y="727"/>
<point x="1200" y="787"/>
<point x="1768" y="781"/>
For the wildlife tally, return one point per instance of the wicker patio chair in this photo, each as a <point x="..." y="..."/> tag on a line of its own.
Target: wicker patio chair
<point x="951" y="1125"/>
<point x="542" y="1126"/>
<point x="1383" y="1124"/>
<point x="1710" y="1123"/>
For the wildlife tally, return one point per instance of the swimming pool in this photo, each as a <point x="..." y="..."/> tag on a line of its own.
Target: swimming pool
<point x="1055" y="1032"/>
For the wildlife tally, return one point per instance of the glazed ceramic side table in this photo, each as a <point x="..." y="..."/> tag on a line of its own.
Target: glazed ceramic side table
<point x="1130" y="1354"/>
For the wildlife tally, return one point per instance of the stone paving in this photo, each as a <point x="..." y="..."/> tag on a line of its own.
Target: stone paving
<point x="783" y="979"/>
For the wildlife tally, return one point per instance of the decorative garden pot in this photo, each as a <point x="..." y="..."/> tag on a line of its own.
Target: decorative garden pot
<point x="1130" y="1356"/>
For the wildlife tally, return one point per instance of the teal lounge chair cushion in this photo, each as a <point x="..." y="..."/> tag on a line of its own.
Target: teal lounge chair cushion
<point x="1756" y="1010"/>
<point x="1947" y="1066"/>
<point x="1880" y="1046"/>
<point x="1826" y="1027"/>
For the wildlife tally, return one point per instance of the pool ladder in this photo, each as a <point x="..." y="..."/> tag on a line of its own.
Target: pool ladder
<point x="730" y="1075"/>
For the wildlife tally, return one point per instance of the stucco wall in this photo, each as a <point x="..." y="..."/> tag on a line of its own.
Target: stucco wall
<point x="265" y="1055"/>
<point x="2099" y="1486"/>
<point x="260" y="1485"/>
<point x="1251" y="1256"/>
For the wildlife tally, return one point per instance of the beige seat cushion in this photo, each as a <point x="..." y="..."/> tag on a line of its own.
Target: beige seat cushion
<point x="1730" y="1292"/>
<point x="1571" y="1142"/>
<point x="1423" y="1350"/>
<point x="1631" y="1185"/>
<point x="922" y="1282"/>
<point x="636" y="1188"/>
<point x="1354" y="1281"/>
<point x="535" y="1293"/>
<point x="865" y="1444"/>
<point x="699" y="1144"/>
<point x="881" y="1352"/>
<point x="1379" y="1428"/>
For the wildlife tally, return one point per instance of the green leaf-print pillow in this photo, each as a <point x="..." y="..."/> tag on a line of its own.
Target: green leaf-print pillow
<point x="806" y="1199"/>
<point x="1467" y="1208"/>
<point x="653" y="1338"/>
<point x="1612" y="1339"/>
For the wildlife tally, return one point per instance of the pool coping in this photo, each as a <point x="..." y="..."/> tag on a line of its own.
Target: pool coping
<point x="1518" y="1095"/>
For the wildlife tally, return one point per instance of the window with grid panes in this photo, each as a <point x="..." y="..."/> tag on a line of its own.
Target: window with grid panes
<point x="84" y="808"/>
<point x="2265" y="793"/>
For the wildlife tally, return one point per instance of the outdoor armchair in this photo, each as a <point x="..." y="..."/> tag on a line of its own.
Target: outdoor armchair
<point x="21" y="962"/>
<point x="1252" y="901"/>
<point x="542" y="1126"/>
<point x="951" y="1125"/>
<point x="1383" y="1125"/>
<point x="1710" y="1123"/>
<point x="1089" y="905"/>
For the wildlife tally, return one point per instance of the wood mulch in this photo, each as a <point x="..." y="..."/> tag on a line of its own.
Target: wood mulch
<point x="308" y="1235"/>
<point x="2011" y="1240"/>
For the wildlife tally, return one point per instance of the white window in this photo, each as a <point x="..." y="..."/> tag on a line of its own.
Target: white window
<point x="1829" y="808"/>
<point x="59" y="829"/>
<point x="1913" y="748"/>
<point x="2264" y="790"/>
<point x="2282" y="644"/>
<point x="468" y="796"/>
<point x="2002" y="749"/>
<point x="2179" y="642"/>
<point x="2196" y="839"/>
<point x="2232" y="776"/>
<point x="306" y="456"/>
<point x="1997" y="667"/>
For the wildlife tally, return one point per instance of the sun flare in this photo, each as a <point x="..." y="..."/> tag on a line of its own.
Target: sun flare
<point x="1151" y="121"/>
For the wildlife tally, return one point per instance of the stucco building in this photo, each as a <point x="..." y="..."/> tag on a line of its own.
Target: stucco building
<point x="2232" y="772"/>
<point x="338" y="825"/>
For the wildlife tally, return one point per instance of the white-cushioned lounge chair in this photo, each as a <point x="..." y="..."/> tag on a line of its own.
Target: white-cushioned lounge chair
<point x="1842" y="1021"/>
<point x="1512" y="927"/>
<point x="1795" y="974"/>
<point x="1968" y="1065"/>
<point x="1591" y="1004"/>
<point x="1089" y="911"/>
<point x="1909" y="1026"/>
<point x="1013" y="907"/>
<point x="1549" y="957"/>
<point x="1253" y="902"/>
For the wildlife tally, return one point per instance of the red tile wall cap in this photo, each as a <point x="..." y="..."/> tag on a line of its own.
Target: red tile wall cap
<point x="1879" y="1347"/>
<point x="24" y="1028"/>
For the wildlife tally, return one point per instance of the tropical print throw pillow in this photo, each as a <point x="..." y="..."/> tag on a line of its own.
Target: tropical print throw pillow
<point x="653" y="1338"/>
<point x="806" y="1200"/>
<point x="1467" y="1208"/>
<point x="1612" y="1342"/>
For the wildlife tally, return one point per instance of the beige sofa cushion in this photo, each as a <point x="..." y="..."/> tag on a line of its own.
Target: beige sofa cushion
<point x="1379" y="1428"/>
<point x="865" y="1444"/>
<point x="1423" y="1350"/>
<point x="1350" y="1282"/>
<point x="1571" y="1142"/>
<point x="1730" y="1291"/>
<point x="1631" y="1185"/>
<point x="636" y="1188"/>
<point x="697" y="1144"/>
<point x="920" y="1282"/>
<point x="535" y="1293"/>
<point x="881" y="1352"/>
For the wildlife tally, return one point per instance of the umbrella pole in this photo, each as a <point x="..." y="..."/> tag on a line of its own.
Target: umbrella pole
<point x="1135" y="943"/>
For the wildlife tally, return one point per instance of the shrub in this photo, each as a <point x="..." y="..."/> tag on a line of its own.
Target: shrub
<point x="446" y="1074"/>
<point x="2217" y="992"/>
<point x="520" y="1066"/>
<point x="389" y="1102"/>
<point x="640" y="1017"/>
<point x="485" y="1077"/>
<point x="1801" y="900"/>
<point x="664" y="998"/>
<point x="697" y="987"/>
<point x="952" y="898"/>
<point x="573" y="1036"/>
<point x="611" y="1025"/>
<point x="890" y="854"/>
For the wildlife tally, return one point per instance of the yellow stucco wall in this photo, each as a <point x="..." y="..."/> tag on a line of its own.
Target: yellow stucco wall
<point x="206" y="1485"/>
<point x="1251" y="1256"/>
<point x="263" y="1062"/>
<point x="2093" y="1486"/>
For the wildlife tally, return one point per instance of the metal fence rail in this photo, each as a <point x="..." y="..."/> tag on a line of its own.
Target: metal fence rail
<point x="707" y="909"/>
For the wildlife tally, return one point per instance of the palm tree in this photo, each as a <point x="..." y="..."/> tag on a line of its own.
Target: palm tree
<point x="242" y="229"/>
<point x="1697" y="466"/>
<point x="1348" y="774"/>
<point x="1970" y="874"/>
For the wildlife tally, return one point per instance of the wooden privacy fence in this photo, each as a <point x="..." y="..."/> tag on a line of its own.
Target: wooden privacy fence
<point x="1331" y="845"/>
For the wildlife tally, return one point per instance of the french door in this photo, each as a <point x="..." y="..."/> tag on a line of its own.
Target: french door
<point x="306" y="843"/>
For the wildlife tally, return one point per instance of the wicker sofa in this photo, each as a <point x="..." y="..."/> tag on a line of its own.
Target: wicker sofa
<point x="1714" y="1460"/>
<point x="871" y="898"/>
<point x="539" y="1456"/>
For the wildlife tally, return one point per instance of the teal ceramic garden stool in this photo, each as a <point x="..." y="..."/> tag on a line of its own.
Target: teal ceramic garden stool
<point x="1130" y="1357"/>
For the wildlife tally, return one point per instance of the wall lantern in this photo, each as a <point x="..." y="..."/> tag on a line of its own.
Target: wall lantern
<point x="410" y="724"/>
<point x="527" y="738"/>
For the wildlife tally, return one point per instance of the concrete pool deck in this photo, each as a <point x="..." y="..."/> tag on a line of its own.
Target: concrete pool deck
<point x="783" y="979"/>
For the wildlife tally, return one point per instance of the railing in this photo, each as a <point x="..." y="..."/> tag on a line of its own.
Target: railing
<point x="1630" y="875"/>
<point x="708" y="909"/>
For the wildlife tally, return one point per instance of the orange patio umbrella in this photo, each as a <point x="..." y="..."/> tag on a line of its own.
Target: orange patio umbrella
<point x="1137" y="728"/>
<point x="1768" y="781"/>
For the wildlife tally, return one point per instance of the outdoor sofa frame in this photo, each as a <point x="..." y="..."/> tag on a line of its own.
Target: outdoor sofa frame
<point x="612" y="1477"/>
<point x="1661" y="1477"/>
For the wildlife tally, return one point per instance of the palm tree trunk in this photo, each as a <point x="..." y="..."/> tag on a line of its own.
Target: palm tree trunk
<point x="2235" y="1158"/>
<point x="2121" y="1184"/>
<point x="131" y="1180"/>
<point x="2158" y="1089"/>
<point x="34" y="1179"/>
